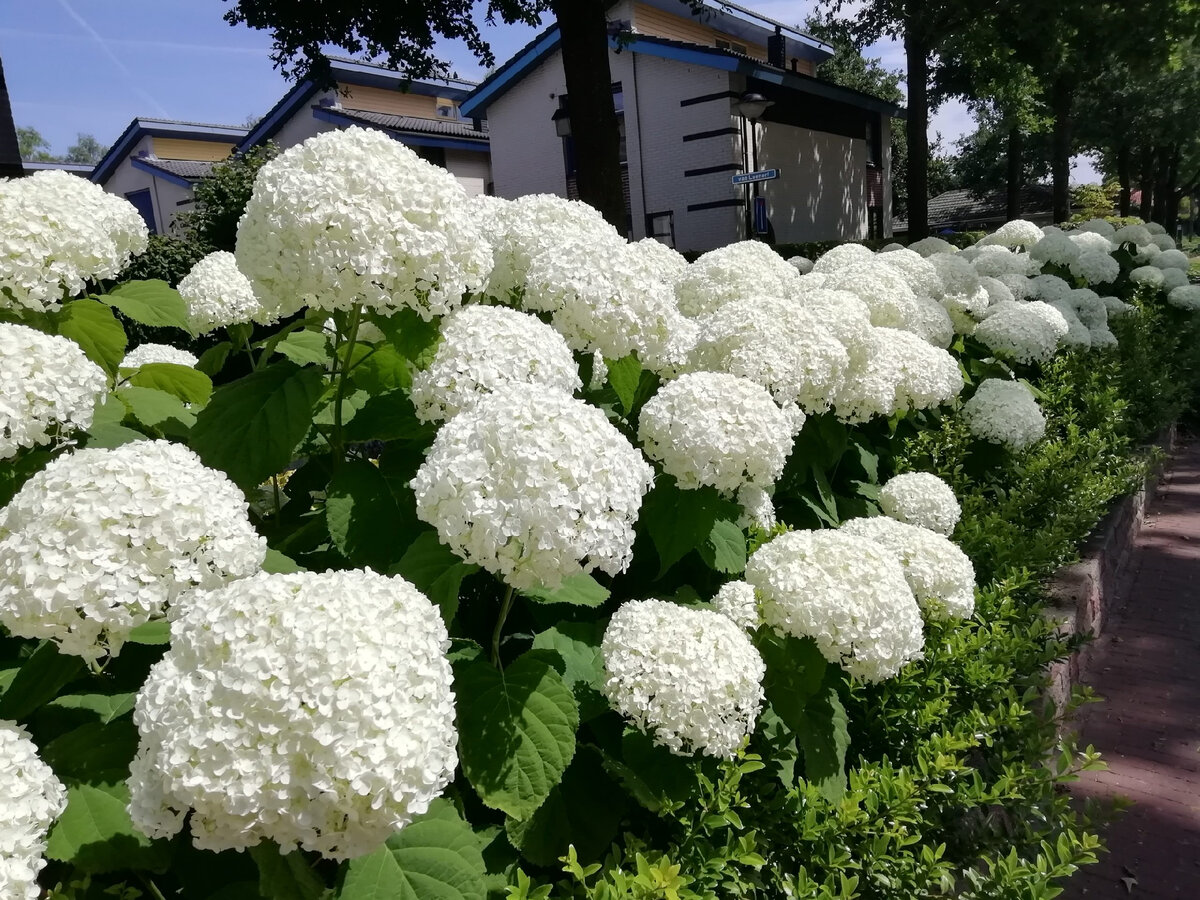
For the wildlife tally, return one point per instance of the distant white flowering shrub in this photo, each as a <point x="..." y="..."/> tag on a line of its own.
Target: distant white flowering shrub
<point x="354" y="217"/>
<point x="688" y="677"/>
<point x="487" y="347"/>
<point x="313" y="710"/>
<point x="1005" y="412"/>
<point x="1056" y="249"/>
<point x="1172" y="259"/>
<point x="736" y="601"/>
<point x="1151" y="276"/>
<point x="1186" y="297"/>
<point x="33" y="799"/>
<point x="1096" y="267"/>
<point x="1097" y="226"/>
<point x="918" y="272"/>
<point x="144" y="354"/>
<point x="1015" y="233"/>
<point x="534" y="486"/>
<point x="931" y="246"/>
<point x="47" y="387"/>
<point x="921" y="498"/>
<point x="217" y="294"/>
<point x="718" y="430"/>
<point x="995" y="261"/>
<point x="101" y="541"/>
<point x="846" y="593"/>
<point x="749" y="269"/>
<point x="1154" y="228"/>
<point x="1025" y="332"/>
<point x="1132" y="234"/>
<point x="57" y="232"/>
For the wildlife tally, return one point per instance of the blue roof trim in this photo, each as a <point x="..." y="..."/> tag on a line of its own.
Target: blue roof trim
<point x="143" y="127"/>
<point x="498" y="83"/>
<point x="335" y="117"/>
<point x="160" y="173"/>
<point x="270" y="124"/>
<point x="375" y="75"/>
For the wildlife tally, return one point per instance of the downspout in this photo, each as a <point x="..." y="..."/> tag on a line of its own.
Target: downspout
<point x="637" y="118"/>
<point x="158" y="217"/>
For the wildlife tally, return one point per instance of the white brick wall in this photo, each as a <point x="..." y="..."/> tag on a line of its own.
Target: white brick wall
<point x="527" y="156"/>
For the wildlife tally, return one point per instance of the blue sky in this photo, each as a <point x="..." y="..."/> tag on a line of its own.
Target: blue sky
<point x="90" y="66"/>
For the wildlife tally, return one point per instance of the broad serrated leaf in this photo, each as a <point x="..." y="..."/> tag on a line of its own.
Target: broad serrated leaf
<point x="363" y="517"/>
<point x="96" y="330"/>
<point x="624" y="375"/>
<point x="725" y="549"/>
<point x="681" y="521"/>
<point x="415" y="338"/>
<point x="653" y="775"/>
<point x="106" y="707"/>
<point x="154" y="634"/>
<point x="435" y="570"/>
<point x="436" y="857"/>
<point x="152" y="407"/>
<point x="96" y="835"/>
<point x="184" y="382"/>
<point x="578" y="646"/>
<point x="152" y="302"/>
<point x="305" y="347"/>
<point x="389" y="416"/>
<point x="385" y="369"/>
<point x="577" y="590"/>
<point x="824" y="740"/>
<point x="285" y="877"/>
<point x="516" y="730"/>
<point x="94" y="752"/>
<point x="251" y="426"/>
<point x="43" y="674"/>
<point x="213" y="359"/>
<point x="110" y="436"/>
<point x="795" y="672"/>
<point x="279" y="564"/>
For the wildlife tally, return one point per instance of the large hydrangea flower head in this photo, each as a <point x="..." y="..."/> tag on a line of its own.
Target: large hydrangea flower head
<point x="1096" y="267"/>
<point x="1056" y="249"/>
<point x="145" y="354"/>
<point x="843" y="256"/>
<point x="1186" y="297"/>
<point x="354" y="217"/>
<point x="1147" y="253"/>
<point x="534" y="486"/>
<point x="47" y="386"/>
<point x="931" y="246"/>
<point x="919" y="272"/>
<point x="921" y="498"/>
<point x="994" y="261"/>
<point x="312" y="710"/>
<point x="737" y="602"/>
<point x="802" y="264"/>
<point x="1097" y="226"/>
<point x="690" y="678"/>
<point x="1162" y="241"/>
<point x="101" y="541"/>
<point x="941" y="576"/>
<point x="846" y="593"/>
<point x="963" y="292"/>
<point x="1005" y="412"/>
<point x="749" y="269"/>
<point x="723" y="431"/>
<point x="929" y="376"/>
<point x="1172" y="259"/>
<point x="1078" y="335"/>
<point x="1132" y="234"/>
<point x="1022" y="286"/>
<point x="1151" y="276"/>
<point x="1173" y="278"/>
<point x="1050" y="288"/>
<point x="1155" y="229"/>
<point x="1091" y="242"/>
<point x="57" y="232"/>
<point x="1015" y="233"/>
<point x="1024" y="332"/>
<point x="997" y="291"/>
<point x="486" y="347"/>
<point x="33" y="799"/>
<point x="217" y="294"/>
<point x="885" y="290"/>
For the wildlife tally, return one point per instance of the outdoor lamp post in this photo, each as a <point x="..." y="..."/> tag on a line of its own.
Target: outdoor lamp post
<point x="750" y="107"/>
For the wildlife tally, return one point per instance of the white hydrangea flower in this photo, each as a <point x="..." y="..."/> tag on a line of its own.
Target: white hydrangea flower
<point x="803" y="264"/>
<point x="145" y="354"/>
<point x="1146" y="254"/>
<point x="846" y="593"/>
<point x="33" y="799"/>
<point x="736" y="601"/>
<point x="842" y="256"/>
<point x="101" y="541"/>
<point x="217" y="294"/>
<point x="719" y="430"/>
<point x="1147" y="275"/>
<point x="1154" y="228"/>
<point x="354" y="217"/>
<point x="997" y="291"/>
<point x="735" y="272"/>
<point x="1163" y="241"/>
<point x="1021" y="286"/>
<point x="1056" y="249"/>
<point x="888" y="248"/>
<point x="1091" y="242"/>
<point x="484" y="348"/>
<point x="534" y="486"/>
<point x="941" y="576"/>
<point x="758" y="507"/>
<point x="921" y="498"/>
<point x="57" y="232"/>
<point x="892" y="303"/>
<point x="1097" y="226"/>
<point x="1132" y="234"/>
<point x="313" y="710"/>
<point x="1117" y="307"/>
<point x="931" y="246"/>
<point x="48" y="386"/>
<point x="1173" y="278"/>
<point x="1172" y="259"/>
<point x="1096" y="267"/>
<point x="778" y="344"/>
<point x="690" y="678"/>
<point x="918" y="272"/>
<point x="895" y="370"/>
<point x="813" y="281"/>
<point x="658" y="261"/>
<point x="963" y="290"/>
<point x="1050" y="288"/>
<point x="1078" y="334"/>
<point x="1024" y="332"/>
<point x="994" y="261"/>
<point x="1005" y="412"/>
<point x="1016" y="233"/>
<point x="1186" y="297"/>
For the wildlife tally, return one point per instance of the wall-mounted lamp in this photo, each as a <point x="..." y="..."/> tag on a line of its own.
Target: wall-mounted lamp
<point x="562" y="122"/>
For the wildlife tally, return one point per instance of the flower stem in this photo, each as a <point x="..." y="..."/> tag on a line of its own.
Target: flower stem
<point x="505" y="606"/>
<point x="351" y="339"/>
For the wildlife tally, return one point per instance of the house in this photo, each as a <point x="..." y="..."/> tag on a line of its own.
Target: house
<point x="422" y="114"/>
<point x="155" y="163"/>
<point x="83" y="170"/>
<point x="678" y="85"/>
<point x="965" y="210"/>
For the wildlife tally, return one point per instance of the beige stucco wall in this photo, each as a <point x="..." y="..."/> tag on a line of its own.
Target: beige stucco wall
<point x="473" y="170"/>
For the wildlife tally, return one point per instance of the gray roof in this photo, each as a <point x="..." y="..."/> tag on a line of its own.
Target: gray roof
<point x="191" y="169"/>
<point x="415" y="124"/>
<point x="964" y="207"/>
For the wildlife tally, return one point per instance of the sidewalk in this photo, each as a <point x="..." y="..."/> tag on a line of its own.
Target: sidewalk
<point x="1147" y="667"/>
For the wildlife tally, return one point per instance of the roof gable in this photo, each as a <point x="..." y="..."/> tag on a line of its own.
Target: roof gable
<point x="169" y="128"/>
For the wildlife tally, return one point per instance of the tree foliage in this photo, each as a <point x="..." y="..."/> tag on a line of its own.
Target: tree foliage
<point x="34" y="147"/>
<point x="221" y="198"/>
<point x="86" y="149"/>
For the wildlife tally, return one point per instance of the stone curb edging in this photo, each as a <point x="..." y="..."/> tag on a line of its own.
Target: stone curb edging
<point x="1084" y="595"/>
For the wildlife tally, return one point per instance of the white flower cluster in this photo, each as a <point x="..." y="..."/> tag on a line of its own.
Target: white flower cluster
<point x="689" y="677"/>
<point x="921" y="498"/>
<point x="1151" y="276"/>
<point x="920" y="274"/>
<point x="738" y="271"/>
<point x="802" y="264"/>
<point x="484" y="348"/>
<point x="1132" y="234"/>
<point x="736" y="601"/>
<point x="846" y="593"/>
<point x="941" y="576"/>
<point x="1055" y="248"/>
<point x="33" y="799"/>
<point x="1172" y="259"/>
<point x="534" y="486"/>
<point x="1005" y="412"/>
<point x="217" y="294"/>
<point x="313" y="710"/>
<point x="1026" y="332"/>
<point x="1173" y="278"/>
<point x="1186" y="297"/>
<point x="144" y="354"/>
<point x="719" y="430"/>
<point x="101" y="541"/>
<point x="57" y="232"/>
<point x="893" y="304"/>
<point x="1092" y="241"/>
<point x="1015" y="233"/>
<point x="1050" y="288"/>
<point x="1096" y="267"/>
<point x="354" y="217"/>
<point x="1097" y="226"/>
<point x="931" y="246"/>
<point x="47" y="385"/>
<point x="994" y="261"/>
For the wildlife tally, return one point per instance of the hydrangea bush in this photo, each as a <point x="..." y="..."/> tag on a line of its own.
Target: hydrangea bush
<point x="487" y="552"/>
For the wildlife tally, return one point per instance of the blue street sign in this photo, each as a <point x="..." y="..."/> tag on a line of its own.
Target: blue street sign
<point x="751" y="177"/>
<point x="760" y="215"/>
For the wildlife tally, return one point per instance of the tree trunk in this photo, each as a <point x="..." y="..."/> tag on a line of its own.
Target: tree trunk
<point x="1146" y="183"/>
<point x="1062" y="99"/>
<point x="594" y="125"/>
<point x="1124" y="176"/>
<point x="1016" y="169"/>
<point x="917" y="126"/>
<point x="1171" y="193"/>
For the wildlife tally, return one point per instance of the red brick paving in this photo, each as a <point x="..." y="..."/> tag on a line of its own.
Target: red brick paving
<point x="1147" y="667"/>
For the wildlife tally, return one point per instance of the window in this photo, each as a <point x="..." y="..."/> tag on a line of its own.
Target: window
<point x="874" y="147"/>
<point x="435" y="155"/>
<point x="569" y="142"/>
<point x="661" y="227"/>
<point x="733" y="46"/>
<point x="145" y="206"/>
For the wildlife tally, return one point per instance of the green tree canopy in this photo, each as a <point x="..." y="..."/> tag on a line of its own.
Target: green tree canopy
<point x="86" y="149"/>
<point x="34" y="147"/>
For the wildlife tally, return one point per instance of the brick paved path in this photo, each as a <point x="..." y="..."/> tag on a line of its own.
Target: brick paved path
<point x="1147" y="666"/>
